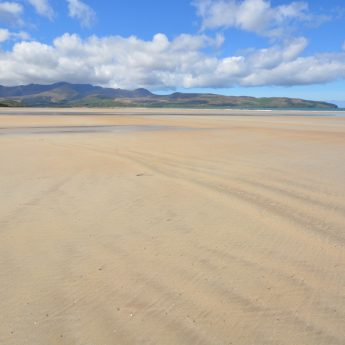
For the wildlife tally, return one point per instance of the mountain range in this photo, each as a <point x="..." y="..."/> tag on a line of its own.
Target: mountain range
<point x="72" y="95"/>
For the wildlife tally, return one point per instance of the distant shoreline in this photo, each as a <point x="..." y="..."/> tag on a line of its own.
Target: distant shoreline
<point x="85" y="111"/>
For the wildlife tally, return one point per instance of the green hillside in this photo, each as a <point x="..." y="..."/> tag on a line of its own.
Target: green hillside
<point x="73" y="95"/>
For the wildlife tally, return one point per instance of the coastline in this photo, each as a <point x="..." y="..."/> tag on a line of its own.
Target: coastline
<point x="170" y="111"/>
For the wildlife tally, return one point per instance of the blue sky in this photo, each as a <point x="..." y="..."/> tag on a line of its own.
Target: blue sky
<point x="239" y="47"/>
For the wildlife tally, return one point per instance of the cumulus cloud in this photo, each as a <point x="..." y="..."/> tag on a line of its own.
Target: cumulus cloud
<point x="257" y="16"/>
<point x="161" y="63"/>
<point x="11" y="13"/>
<point x="81" y="11"/>
<point x="43" y="8"/>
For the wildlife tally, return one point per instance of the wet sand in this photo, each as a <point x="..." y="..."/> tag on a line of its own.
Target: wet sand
<point x="197" y="230"/>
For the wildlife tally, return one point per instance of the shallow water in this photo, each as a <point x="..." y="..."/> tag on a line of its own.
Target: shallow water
<point x="82" y="129"/>
<point x="172" y="112"/>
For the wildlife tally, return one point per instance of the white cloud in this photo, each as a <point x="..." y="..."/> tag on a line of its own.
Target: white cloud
<point x="257" y="16"/>
<point x="43" y="8"/>
<point x="6" y="35"/>
<point x="343" y="46"/>
<point x="10" y="13"/>
<point x="21" y="35"/>
<point x="81" y="11"/>
<point x="161" y="63"/>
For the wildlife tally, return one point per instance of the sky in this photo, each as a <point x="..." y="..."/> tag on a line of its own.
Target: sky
<point x="233" y="47"/>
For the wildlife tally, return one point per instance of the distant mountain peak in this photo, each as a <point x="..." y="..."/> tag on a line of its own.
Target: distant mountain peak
<point x="142" y="92"/>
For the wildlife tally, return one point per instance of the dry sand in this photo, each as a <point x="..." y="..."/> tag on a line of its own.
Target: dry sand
<point x="211" y="230"/>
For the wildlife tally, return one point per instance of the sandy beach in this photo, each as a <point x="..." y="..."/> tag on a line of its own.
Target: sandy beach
<point x="139" y="227"/>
